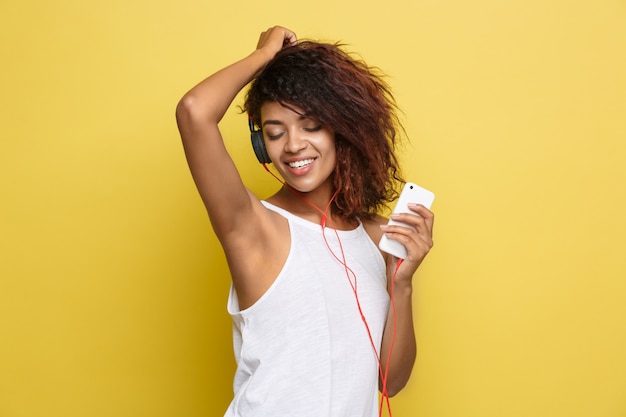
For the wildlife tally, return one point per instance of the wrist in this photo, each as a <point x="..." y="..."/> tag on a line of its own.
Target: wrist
<point x="263" y="55"/>
<point x="401" y="288"/>
<point x="259" y="58"/>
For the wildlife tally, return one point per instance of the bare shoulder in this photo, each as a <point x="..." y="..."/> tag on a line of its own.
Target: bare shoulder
<point x="372" y="227"/>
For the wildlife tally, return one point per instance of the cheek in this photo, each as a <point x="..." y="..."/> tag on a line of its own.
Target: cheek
<point x="329" y="145"/>
<point x="272" y="150"/>
<point x="332" y="150"/>
<point x="331" y="158"/>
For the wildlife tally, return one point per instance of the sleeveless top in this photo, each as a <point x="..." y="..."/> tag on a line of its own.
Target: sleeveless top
<point x="302" y="349"/>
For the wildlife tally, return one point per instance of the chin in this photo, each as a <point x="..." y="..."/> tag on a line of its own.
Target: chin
<point x="307" y="187"/>
<point x="301" y="188"/>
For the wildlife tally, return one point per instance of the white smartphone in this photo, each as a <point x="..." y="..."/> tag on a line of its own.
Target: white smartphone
<point x="411" y="193"/>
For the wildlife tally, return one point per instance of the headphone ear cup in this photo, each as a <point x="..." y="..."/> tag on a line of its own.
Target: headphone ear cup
<point x="258" y="144"/>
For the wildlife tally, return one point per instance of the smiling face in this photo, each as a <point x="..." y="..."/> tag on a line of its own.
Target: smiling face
<point x="301" y="148"/>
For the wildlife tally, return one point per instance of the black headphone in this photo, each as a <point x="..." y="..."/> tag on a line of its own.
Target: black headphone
<point x="258" y="143"/>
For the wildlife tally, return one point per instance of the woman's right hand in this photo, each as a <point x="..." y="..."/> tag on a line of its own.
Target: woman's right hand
<point x="276" y="38"/>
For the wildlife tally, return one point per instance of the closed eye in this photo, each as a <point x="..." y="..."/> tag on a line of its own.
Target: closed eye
<point x="274" y="136"/>
<point x="312" y="129"/>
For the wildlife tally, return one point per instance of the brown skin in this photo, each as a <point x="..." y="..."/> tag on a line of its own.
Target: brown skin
<point x="244" y="225"/>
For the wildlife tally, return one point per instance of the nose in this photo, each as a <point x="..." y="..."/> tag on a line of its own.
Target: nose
<point x="295" y="142"/>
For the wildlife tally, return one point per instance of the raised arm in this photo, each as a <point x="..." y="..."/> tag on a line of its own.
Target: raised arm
<point x="229" y="204"/>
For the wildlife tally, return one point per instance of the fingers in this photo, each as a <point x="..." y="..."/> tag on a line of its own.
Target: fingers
<point x="423" y="212"/>
<point x="276" y="38"/>
<point x="289" y="38"/>
<point x="422" y="222"/>
<point x="418" y="237"/>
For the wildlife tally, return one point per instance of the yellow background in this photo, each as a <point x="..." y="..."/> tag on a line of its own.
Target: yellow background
<point x="113" y="288"/>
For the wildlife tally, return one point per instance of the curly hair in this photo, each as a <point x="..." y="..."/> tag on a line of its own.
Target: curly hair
<point x="350" y="97"/>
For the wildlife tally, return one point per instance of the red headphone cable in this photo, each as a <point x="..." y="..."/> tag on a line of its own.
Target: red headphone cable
<point x="352" y="279"/>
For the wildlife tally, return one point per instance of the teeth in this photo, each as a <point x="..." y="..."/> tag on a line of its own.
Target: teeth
<point x="300" y="164"/>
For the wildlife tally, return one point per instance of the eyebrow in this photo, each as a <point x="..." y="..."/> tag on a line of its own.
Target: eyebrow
<point x="278" y="122"/>
<point x="272" y="122"/>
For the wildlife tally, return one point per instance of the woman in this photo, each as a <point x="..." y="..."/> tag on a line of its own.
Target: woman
<point x="313" y="330"/>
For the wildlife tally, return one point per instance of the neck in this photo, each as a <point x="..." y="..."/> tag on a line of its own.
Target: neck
<point x="319" y="200"/>
<point x="315" y="205"/>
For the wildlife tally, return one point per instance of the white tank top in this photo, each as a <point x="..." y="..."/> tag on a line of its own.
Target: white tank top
<point x="302" y="349"/>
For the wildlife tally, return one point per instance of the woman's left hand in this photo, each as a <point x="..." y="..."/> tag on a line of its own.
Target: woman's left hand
<point x="418" y="239"/>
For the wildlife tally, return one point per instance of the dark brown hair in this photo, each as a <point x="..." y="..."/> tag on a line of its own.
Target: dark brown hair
<point x="350" y="97"/>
